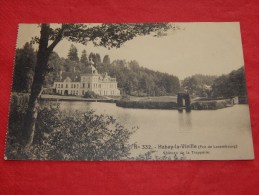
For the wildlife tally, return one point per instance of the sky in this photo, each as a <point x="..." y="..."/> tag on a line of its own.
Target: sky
<point x="198" y="48"/>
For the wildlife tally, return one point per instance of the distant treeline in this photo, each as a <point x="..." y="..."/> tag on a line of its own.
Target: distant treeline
<point x="139" y="81"/>
<point x="132" y="79"/>
<point x="228" y="85"/>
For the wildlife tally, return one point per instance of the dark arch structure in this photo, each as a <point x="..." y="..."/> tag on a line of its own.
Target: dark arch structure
<point x="66" y="92"/>
<point x="186" y="97"/>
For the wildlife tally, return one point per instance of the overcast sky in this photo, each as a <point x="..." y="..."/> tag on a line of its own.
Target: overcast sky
<point x="199" y="48"/>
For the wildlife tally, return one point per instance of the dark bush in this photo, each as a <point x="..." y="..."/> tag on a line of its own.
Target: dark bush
<point x="90" y="94"/>
<point x="211" y="105"/>
<point x="73" y="136"/>
<point x="17" y="110"/>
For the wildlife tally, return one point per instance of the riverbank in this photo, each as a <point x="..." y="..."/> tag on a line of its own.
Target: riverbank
<point x="46" y="97"/>
<point x="212" y="104"/>
<point x="170" y="103"/>
<point x="161" y="102"/>
<point x="146" y="104"/>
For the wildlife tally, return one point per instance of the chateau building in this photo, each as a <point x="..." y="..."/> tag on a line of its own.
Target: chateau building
<point x="74" y="83"/>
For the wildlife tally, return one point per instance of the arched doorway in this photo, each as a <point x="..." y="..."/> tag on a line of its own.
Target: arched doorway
<point x="184" y="101"/>
<point x="66" y="92"/>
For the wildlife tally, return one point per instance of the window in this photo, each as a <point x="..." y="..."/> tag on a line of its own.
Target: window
<point x="58" y="85"/>
<point x="61" y="85"/>
<point x="66" y="85"/>
<point x="89" y="85"/>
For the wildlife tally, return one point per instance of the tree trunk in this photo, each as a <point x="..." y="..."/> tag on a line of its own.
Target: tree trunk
<point x="39" y="76"/>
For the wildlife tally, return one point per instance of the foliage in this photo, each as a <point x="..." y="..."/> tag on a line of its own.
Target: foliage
<point x="73" y="54"/>
<point x="198" y="85"/>
<point x="84" y="59"/>
<point x="106" y="60"/>
<point x="230" y="85"/>
<point x="72" y="136"/>
<point x="225" y="86"/>
<point x="17" y="110"/>
<point x="211" y="105"/>
<point x="90" y="94"/>
<point x="25" y="60"/>
<point x="138" y="81"/>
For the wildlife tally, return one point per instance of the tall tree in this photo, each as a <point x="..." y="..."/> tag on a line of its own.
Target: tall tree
<point x="73" y="54"/>
<point x="24" y="68"/>
<point x="92" y="57"/>
<point x="84" y="59"/>
<point x="106" y="35"/>
<point x="106" y="59"/>
<point x="233" y="84"/>
<point x="98" y="58"/>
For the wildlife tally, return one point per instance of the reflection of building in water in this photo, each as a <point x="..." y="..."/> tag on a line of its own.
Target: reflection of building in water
<point x="74" y="83"/>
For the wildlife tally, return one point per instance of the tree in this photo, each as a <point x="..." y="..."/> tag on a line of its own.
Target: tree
<point x="230" y="85"/>
<point x="73" y="54"/>
<point x="98" y="58"/>
<point x="105" y="35"/>
<point x="57" y="64"/>
<point x="84" y="59"/>
<point x="106" y="59"/>
<point x="198" y="84"/>
<point x="92" y="57"/>
<point x="24" y="68"/>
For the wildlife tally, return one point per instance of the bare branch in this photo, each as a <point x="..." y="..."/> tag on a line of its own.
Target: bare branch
<point x="57" y="39"/>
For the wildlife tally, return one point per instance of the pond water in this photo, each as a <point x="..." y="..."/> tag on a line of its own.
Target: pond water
<point x="228" y="126"/>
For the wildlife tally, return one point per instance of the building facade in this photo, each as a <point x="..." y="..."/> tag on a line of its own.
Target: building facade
<point x="72" y="83"/>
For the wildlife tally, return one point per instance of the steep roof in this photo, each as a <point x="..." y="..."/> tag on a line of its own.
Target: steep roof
<point x="74" y="76"/>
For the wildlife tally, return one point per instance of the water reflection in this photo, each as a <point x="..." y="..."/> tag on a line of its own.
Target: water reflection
<point x="185" y="121"/>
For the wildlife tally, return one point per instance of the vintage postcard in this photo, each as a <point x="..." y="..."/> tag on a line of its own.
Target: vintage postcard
<point x="129" y="91"/>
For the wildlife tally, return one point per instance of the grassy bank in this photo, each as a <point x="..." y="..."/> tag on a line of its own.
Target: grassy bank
<point x="146" y="104"/>
<point x="211" y="104"/>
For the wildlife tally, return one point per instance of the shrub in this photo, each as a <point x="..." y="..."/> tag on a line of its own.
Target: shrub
<point x="17" y="110"/>
<point x="211" y="105"/>
<point x="74" y="136"/>
<point x="90" y="94"/>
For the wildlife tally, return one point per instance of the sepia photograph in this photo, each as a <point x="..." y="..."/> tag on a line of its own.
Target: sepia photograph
<point x="129" y="91"/>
